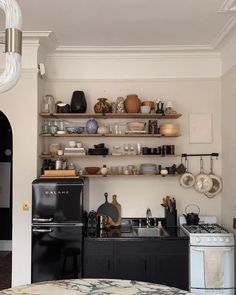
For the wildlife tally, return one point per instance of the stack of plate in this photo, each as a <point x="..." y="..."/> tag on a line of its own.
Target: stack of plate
<point x="148" y="169"/>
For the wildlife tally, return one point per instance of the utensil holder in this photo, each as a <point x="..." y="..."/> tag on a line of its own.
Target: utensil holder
<point x="171" y="218"/>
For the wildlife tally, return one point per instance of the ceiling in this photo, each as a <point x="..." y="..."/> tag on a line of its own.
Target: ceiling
<point x="129" y="22"/>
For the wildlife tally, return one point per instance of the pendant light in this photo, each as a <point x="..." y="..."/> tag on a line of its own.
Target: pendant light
<point x="13" y="44"/>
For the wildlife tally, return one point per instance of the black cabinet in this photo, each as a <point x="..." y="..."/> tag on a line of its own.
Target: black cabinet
<point x="98" y="259"/>
<point x="132" y="261"/>
<point x="157" y="261"/>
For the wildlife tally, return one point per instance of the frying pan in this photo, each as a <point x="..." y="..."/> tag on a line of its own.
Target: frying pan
<point x="108" y="209"/>
<point x="203" y="182"/>
<point x="217" y="184"/>
<point x="187" y="179"/>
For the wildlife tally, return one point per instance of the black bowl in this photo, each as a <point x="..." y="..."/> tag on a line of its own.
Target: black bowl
<point x="99" y="146"/>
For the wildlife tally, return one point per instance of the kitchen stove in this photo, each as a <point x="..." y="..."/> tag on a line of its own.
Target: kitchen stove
<point x="211" y="250"/>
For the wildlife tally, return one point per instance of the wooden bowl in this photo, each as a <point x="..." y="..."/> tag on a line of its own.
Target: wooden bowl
<point x="149" y="103"/>
<point x="92" y="170"/>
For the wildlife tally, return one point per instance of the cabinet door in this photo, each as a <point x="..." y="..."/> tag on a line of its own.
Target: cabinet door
<point x="98" y="259"/>
<point x="133" y="262"/>
<point x="169" y="264"/>
<point x="170" y="270"/>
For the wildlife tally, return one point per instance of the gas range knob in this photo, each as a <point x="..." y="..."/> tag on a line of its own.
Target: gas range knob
<point x="215" y="239"/>
<point x="227" y="240"/>
<point x="209" y="239"/>
<point x="198" y="240"/>
<point x="221" y="240"/>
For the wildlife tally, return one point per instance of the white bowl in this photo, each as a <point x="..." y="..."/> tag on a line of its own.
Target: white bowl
<point x="145" y="109"/>
<point x="136" y="126"/>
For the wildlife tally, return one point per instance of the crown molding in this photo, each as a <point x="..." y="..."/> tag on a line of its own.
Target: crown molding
<point x="131" y="52"/>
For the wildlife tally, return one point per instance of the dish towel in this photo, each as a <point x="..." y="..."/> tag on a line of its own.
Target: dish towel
<point x="214" y="267"/>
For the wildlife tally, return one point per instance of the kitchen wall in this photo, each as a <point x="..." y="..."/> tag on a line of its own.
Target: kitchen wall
<point x="228" y="147"/>
<point x="137" y="194"/>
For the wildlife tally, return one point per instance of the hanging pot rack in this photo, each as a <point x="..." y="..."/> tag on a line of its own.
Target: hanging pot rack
<point x="200" y="155"/>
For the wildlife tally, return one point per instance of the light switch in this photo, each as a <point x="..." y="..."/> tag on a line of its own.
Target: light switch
<point x="25" y="205"/>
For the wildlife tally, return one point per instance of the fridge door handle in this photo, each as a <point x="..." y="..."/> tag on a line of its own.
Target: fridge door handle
<point x="35" y="219"/>
<point x="42" y="230"/>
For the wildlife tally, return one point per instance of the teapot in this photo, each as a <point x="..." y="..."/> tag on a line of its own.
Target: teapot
<point x="192" y="218"/>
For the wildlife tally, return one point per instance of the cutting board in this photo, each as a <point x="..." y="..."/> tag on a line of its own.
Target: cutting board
<point x="118" y="206"/>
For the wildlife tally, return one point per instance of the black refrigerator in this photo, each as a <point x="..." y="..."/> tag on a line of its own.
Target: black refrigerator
<point x="58" y="210"/>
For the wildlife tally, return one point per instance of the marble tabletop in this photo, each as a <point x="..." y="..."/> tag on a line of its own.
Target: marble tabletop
<point x="92" y="286"/>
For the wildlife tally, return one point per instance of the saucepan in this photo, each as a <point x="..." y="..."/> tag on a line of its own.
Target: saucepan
<point x="187" y="179"/>
<point x="217" y="183"/>
<point x="203" y="182"/>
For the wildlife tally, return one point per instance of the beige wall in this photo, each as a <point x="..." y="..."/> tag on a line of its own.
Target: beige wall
<point x="228" y="148"/>
<point x="136" y="195"/>
<point x="20" y="106"/>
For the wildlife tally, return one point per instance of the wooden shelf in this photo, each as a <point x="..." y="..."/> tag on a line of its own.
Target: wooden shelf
<point x="104" y="156"/>
<point x="109" y="116"/>
<point x="129" y="175"/>
<point x="107" y="135"/>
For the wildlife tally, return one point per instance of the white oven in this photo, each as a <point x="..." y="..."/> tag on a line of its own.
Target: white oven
<point x="211" y="257"/>
<point x="198" y="271"/>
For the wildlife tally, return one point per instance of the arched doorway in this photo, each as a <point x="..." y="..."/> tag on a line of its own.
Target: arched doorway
<point x="5" y="201"/>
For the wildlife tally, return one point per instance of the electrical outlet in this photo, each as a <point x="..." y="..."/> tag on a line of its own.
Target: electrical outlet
<point x="25" y="205"/>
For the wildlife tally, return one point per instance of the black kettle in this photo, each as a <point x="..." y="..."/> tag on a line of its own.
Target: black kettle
<point x="192" y="218"/>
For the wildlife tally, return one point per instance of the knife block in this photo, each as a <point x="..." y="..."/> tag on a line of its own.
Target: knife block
<point x="171" y="218"/>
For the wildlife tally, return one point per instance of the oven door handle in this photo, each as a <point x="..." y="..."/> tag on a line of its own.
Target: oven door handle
<point x="202" y="250"/>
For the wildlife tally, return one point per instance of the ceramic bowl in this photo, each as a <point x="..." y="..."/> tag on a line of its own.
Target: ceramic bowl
<point x="75" y="129"/>
<point x="92" y="170"/>
<point x="145" y="109"/>
<point x="136" y="126"/>
<point x="149" y="103"/>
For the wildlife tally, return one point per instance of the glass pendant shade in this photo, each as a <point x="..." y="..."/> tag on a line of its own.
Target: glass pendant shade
<point x="13" y="44"/>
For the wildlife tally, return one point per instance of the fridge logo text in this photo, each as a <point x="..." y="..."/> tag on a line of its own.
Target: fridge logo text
<point x="56" y="193"/>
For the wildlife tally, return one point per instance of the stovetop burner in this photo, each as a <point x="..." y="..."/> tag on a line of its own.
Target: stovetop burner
<point x="205" y="228"/>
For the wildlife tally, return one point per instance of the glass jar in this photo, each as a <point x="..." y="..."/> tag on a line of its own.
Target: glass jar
<point x="48" y="104"/>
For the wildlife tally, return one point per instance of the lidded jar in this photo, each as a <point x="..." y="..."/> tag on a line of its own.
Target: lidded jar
<point x="48" y="104"/>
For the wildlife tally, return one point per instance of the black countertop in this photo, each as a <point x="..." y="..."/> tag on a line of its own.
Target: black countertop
<point x="124" y="233"/>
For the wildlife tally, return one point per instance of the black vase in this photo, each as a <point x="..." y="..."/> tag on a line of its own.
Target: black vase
<point x="78" y="102"/>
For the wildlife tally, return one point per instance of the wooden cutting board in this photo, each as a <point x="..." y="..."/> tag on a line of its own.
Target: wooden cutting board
<point x="118" y="206"/>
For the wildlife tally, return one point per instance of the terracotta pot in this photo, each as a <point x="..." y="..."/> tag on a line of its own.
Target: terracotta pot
<point x="132" y="103"/>
<point x="102" y="106"/>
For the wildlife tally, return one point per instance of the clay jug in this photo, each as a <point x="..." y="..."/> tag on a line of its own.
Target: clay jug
<point x="132" y="103"/>
<point x="102" y="106"/>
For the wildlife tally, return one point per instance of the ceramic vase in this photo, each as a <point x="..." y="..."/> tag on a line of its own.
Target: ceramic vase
<point x="132" y="103"/>
<point x="91" y="126"/>
<point x="78" y="102"/>
<point x="102" y="106"/>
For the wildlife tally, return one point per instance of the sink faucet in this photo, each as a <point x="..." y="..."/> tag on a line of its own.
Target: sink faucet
<point x="148" y="215"/>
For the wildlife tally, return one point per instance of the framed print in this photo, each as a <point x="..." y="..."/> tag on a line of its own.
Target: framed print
<point x="200" y="128"/>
